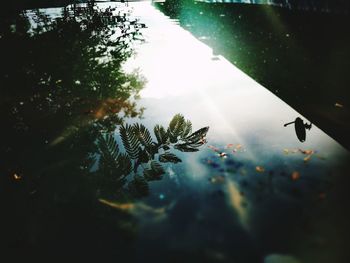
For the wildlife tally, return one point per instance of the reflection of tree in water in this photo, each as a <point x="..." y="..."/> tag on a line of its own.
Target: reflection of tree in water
<point x="141" y="152"/>
<point x="63" y="93"/>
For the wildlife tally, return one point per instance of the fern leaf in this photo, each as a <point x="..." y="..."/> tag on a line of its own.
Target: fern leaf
<point x="125" y="165"/>
<point x="155" y="172"/>
<point x="142" y="134"/>
<point x="197" y="136"/>
<point x="187" y="129"/>
<point x="108" y="150"/>
<point x="130" y="141"/>
<point x="184" y="147"/>
<point x="161" y="134"/>
<point x="157" y="167"/>
<point x="169" y="157"/>
<point x="176" y="127"/>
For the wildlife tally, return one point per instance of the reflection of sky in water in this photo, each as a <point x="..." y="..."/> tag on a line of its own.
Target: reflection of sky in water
<point x="256" y="198"/>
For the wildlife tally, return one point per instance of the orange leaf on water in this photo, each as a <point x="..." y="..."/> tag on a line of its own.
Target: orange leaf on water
<point x="295" y="176"/>
<point x="307" y="152"/>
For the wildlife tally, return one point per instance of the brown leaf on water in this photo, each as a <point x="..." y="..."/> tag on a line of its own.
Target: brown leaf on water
<point x="295" y="176"/>
<point x="238" y="146"/>
<point x="17" y="177"/>
<point x="260" y="169"/>
<point x="287" y="151"/>
<point x="307" y="158"/>
<point x="307" y="152"/>
<point x="338" y="105"/>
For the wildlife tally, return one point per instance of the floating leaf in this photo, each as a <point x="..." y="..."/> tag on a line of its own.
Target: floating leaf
<point x="169" y="157"/>
<point x="260" y="169"/>
<point x="307" y="152"/>
<point x="307" y="158"/>
<point x="295" y="176"/>
<point x="17" y="177"/>
<point x="339" y="105"/>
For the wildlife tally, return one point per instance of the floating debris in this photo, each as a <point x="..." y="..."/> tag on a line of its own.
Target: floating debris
<point x="217" y="179"/>
<point x="260" y="169"/>
<point x="223" y="155"/>
<point x="338" y="105"/>
<point x="17" y="177"/>
<point x="287" y="151"/>
<point x="307" y="158"/>
<point x="213" y="148"/>
<point x="307" y="152"/>
<point x="295" y="176"/>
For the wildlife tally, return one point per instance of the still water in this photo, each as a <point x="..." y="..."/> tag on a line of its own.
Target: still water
<point x="252" y="193"/>
<point x="264" y="196"/>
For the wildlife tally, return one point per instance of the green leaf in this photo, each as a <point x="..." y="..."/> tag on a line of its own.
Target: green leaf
<point x="169" y="157"/>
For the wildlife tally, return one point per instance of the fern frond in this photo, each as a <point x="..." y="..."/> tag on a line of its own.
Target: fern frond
<point x="169" y="157"/>
<point x="124" y="164"/>
<point x="155" y="172"/>
<point x="108" y="150"/>
<point x="176" y="127"/>
<point x="187" y="129"/>
<point x="161" y="134"/>
<point x="142" y="134"/>
<point x="130" y="141"/>
<point x="184" y="147"/>
<point x="197" y="136"/>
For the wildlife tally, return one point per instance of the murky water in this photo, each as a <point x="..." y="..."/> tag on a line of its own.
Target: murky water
<point x="253" y="193"/>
